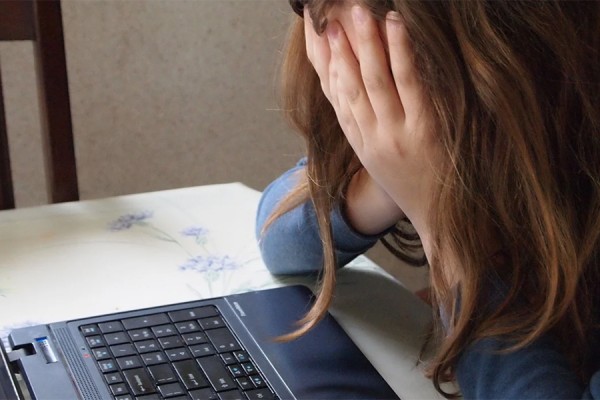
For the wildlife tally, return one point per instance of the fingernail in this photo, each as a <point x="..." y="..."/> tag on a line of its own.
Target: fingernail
<point x="394" y="15"/>
<point x="395" y="19"/>
<point x="359" y="14"/>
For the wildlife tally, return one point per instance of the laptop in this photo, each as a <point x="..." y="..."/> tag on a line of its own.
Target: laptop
<point x="215" y="349"/>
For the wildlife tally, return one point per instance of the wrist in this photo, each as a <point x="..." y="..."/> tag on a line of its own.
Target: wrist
<point x="368" y="208"/>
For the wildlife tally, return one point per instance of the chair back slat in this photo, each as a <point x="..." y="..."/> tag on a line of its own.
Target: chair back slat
<point x="7" y="198"/>
<point x="41" y="21"/>
<point x="17" y="20"/>
<point x="57" y="126"/>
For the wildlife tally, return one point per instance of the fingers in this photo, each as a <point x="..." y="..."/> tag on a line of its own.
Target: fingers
<point x="350" y="100"/>
<point x="366" y="89"/>
<point x="374" y="68"/>
<point x="403" y="69"/>
<point x="307" y="36"/>
<point x="334" y="74"/>
<point x="317" y="50"/>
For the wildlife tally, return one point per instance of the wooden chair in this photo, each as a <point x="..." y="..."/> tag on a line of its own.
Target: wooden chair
<point x="41" y="22"/>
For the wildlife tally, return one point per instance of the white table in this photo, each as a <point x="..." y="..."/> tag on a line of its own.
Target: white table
<point x="73" y="260"/>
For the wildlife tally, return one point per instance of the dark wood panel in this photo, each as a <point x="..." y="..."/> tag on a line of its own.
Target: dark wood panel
<point x="7" y="199"/>
<point x="16" y="20"/>
<point x="41" y="21"/>
<point x="58" y="130"/>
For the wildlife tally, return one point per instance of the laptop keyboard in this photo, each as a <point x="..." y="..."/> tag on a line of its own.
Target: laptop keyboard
<point x="183" y="354"/>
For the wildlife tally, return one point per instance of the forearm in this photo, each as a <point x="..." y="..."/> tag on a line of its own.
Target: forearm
<point x="367" y="207"/>
<point x="291" y="244"/>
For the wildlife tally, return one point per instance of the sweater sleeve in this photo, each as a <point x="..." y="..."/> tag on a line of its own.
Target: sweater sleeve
<point x="538" y="371"/>
<point x="291" y="244"/>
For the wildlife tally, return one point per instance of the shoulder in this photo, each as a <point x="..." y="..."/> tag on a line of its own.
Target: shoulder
<point x="537" y="371"/>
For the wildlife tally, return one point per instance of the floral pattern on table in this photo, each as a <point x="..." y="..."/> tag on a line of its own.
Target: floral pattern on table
<point x="193" y="241"/>
<point x="196" y="245"/>
<point x="76" y="260"/>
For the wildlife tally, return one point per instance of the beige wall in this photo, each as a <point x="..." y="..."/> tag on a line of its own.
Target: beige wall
<point x="165" y="94"/>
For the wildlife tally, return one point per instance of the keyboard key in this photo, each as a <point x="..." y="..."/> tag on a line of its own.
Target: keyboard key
<point x="149" y="397"/>
<point x="258" y="381"/>
<point x="154" y="358"/>
<point x="118" y="389"/>
<point x="107" y="366"/>
<point x="162" y="373"/>
<point x="232" y="395"/>
<point x="88" y="330"/>
<point x="140" y="334"/>
<point x="223" y="340"/>
<point x="129" y="362"/>
<point x="180" y="353"/>
<point x="189" y="326"/>
<point x="163" y="330"/>
<point x="194" y="338"/>
<point x="116" y="338"/>
<point x="170" y="342"/>
<point x="241" y="356"/>
<point x="122" y="350"/>
<point x="139" y="381"/>
<point x="95" y="341"/>
<point x="171" y="390"/>
<point x="249" y="368"/>
<point x="193" y="313"/>
<point x="204" y="394"/>
<point x="101" y="353"/>
<point x="228" y="358"/>
<point x="113" y="377"/>
<point x="108" y="327"/>
<point x="211" y="323"/>
<point x="244" y="383"/>
<point x="202" y="350"/>
<point x="216" y="373"/>
<point x="260" y="394"/>
<point x="236" y="371"/>
<point x="124" y="397"/>
<point x="146" y="321"/>
<point x="147" y="346"/>
<point x="190" y="374"/>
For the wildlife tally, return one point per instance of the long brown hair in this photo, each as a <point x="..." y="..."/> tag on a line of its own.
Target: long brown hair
<point x="513" y="90"/>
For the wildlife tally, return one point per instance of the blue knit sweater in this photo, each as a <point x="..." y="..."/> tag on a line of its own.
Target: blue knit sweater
<point x="540" y="371"/>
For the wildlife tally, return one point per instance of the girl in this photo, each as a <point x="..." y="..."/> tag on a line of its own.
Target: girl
<point x="469" y="130"/>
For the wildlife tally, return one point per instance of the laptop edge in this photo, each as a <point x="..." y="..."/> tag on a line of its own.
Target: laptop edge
<point x="324" y="364"/>
<point x="8" y="387"/>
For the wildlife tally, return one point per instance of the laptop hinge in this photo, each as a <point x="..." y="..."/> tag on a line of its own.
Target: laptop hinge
<point x="16" y="355"/>
<point x="9" y="388"/>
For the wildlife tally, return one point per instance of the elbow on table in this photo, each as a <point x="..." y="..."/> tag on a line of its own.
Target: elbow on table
<point x="288" y="257"/>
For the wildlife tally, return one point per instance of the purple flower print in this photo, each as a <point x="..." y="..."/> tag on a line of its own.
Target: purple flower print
<point x="210" y="264"/>
<point x="126" y="221"/>
<point x="198" y="232"/>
